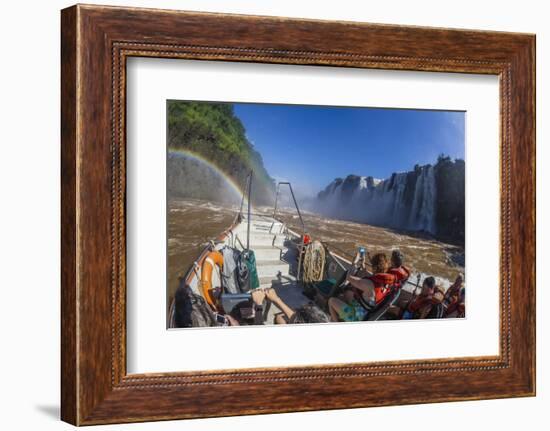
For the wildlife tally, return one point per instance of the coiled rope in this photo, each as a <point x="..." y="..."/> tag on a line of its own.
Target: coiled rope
<point x="314" y="262"/>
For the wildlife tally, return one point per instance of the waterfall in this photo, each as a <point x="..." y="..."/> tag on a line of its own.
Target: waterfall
<point x="406" y="200"/>
<point x="422" y="216"/>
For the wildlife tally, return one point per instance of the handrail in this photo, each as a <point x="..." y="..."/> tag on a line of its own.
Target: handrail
<point x="246" y="181"/>
<point x="249" y="220"/>
<point x="247" y="190"/>
<point x="302" y="245"/>
<point x="295" y="203"/>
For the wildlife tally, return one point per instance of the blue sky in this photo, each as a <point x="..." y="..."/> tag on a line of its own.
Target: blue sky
<point x="312" y="145"/>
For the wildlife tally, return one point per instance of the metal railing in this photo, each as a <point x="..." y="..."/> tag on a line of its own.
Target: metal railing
<point x="247" y="191"/>
<point x="295" y="203"/>
<point x="302" y="245"/>
<point x="245" y="188"/>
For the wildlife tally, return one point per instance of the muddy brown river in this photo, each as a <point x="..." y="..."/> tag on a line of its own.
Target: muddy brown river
<point x="192" y="223"/>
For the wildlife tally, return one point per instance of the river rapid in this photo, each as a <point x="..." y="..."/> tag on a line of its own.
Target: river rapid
<point x="193" y="222"/>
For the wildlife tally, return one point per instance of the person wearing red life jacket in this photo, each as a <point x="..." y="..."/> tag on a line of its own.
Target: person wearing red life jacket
<point x="453" y="291"/>
<point x="456" y="308"/>
<point x="424" y="306"/>
<point x="374" y="288"/>
<point x="398" y="269"/>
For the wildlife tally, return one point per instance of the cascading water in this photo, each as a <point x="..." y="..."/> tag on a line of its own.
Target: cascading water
<point x="422" y="216"/>
<point x="406" y="200"/>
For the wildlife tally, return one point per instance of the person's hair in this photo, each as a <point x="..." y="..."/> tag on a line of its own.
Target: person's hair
<point x="396" y="258"/>
<point x="235" y="313"/>
<point x="309" y="313"/>
<point x="379" y="263"/>
<point x="429" y="282"/>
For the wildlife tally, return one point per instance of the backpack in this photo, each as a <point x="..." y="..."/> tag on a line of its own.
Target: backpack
<point x="247" y="275"/>
<point x="230" y="282"/>
<point x="191" y="310"/>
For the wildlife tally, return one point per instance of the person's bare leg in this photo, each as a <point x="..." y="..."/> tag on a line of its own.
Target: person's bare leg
<point x="335" y="307"/>
<point x="280" y="319"/>
<point x="232" y="320"/>
<point x="366" y="286"/>
<point x="271" y="294"/>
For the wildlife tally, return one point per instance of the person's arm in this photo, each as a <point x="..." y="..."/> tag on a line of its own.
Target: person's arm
<point x="419" y="302"/>
<point x="363" y="284"/>
<point x="454" y="289"/>
<point x="356" y="259"/>
<point x="271" y="294"/>
<point x="414" y="305"/>
<point x="258" y="297"/>
<point x="451" y="308"/>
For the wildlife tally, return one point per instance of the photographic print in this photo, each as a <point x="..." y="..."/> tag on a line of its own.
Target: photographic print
<point x="312" y="190"/>
<point x="296" y="214"/>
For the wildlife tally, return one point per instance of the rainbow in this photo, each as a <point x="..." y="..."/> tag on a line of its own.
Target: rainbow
<point x="194" y="156"/>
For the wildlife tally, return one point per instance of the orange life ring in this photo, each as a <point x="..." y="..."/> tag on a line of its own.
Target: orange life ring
<point x="211" y="259"/>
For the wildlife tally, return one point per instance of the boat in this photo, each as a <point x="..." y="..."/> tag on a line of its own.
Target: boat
<point x="279" y="254"/>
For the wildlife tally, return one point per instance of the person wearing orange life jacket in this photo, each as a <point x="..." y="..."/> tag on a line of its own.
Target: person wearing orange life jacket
<point x="374" y="288"/>
<point x="397" y="268"/>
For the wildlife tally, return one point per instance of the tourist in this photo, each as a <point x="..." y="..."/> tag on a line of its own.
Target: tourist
<point x="397" y="268"/>
<point x="374" y="288"/>
<point x="346" y="307"/>
<point x="307" y="313"/>
<point x="454" y="290"/>
<point x="249" y="312"/>
<point x="363" y="294"/>
<point x="421" y="305"/>
<point x="253" y="313"/>
<point x="457" y="306"/>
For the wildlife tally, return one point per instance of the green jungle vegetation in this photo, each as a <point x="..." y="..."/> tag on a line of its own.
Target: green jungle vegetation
<point x="213" y="131"/>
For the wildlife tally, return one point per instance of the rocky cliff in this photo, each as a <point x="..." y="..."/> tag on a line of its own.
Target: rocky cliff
<point x="428" y="198"/>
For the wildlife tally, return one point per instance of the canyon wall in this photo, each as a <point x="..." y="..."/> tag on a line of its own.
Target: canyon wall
<point x="429" y="199"/>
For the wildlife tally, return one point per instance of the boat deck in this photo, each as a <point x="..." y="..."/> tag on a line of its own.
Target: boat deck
<point x="276" y="260"/>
